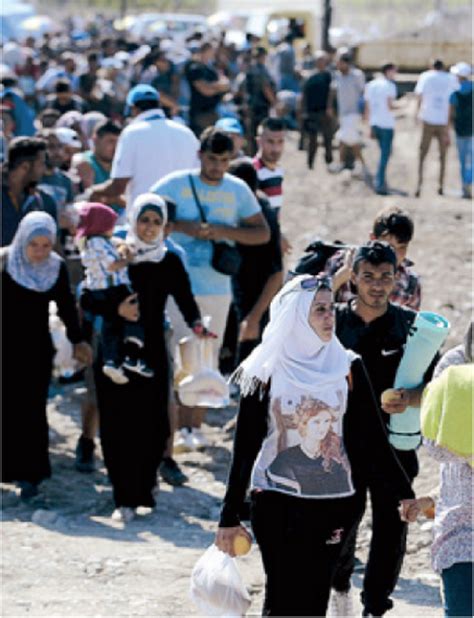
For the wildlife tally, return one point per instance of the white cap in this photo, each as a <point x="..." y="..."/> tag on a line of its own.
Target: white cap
<point x="462" y="69"/>
<point x="68" y="137"/>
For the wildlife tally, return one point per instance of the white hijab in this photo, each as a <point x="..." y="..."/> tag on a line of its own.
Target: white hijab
<point x="156" y="250"/>
<point x="37" y="277"/>
<point x="292" y="354"/>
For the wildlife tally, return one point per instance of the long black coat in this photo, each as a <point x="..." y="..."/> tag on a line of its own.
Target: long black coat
<point x="134" y="423"/>
<point x="27" y="357"/>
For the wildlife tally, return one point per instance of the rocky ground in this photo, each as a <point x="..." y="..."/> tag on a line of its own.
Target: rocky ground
<point x="62" y="555"/>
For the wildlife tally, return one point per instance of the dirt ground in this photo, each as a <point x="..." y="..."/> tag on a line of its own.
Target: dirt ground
<point x="61" y="553"/>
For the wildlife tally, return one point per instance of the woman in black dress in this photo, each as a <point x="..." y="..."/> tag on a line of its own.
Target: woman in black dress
<point x="32" y="276"/>
<point x="134" y="422"/>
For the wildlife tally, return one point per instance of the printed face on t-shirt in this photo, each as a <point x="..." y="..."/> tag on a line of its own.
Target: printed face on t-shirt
<point x="310" y="456"/>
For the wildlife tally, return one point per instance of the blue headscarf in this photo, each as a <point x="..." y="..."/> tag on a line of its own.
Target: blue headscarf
<point x="22" y="112"/>
<point x="37" y="277"/>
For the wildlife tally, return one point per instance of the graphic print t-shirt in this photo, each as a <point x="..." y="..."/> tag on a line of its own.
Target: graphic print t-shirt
<point x="303" y="453"/>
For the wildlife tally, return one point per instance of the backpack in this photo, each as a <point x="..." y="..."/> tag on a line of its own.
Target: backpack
<point x="316" y="256"/>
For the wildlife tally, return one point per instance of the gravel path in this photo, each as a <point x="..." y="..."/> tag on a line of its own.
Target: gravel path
<point x="63" y="556"/>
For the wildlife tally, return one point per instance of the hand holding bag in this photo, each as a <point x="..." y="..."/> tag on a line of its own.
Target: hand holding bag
<point x="226" y="259"/>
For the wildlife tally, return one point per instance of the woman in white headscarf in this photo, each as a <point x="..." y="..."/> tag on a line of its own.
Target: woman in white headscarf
<point x="32" y="276"/>
<point x="134" y="423"/>
<point x="308" y="431"/>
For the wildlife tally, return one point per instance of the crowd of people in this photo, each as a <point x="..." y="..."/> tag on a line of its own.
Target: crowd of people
<point x="142" y="190"/>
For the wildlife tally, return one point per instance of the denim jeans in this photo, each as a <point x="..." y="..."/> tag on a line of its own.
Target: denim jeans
<point x="384" y="137"/>
<point x="457" y="589"/>
<point x="465" y="152"/>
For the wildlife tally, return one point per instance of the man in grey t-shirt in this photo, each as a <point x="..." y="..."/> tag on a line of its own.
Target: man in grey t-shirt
<point x="347" y="90"/>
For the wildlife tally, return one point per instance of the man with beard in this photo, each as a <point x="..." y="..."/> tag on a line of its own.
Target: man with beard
<point x="232" y="214"/>
<point x="377" y="330"/>
<point x="26" y="165"/>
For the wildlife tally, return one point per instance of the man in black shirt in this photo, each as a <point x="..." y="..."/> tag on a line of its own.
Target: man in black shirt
<point x="377" y="330"/>
<point x="314" y="110"/>
<point x="64" y="100"/>
<point x="258" y="91"/>
<point x="207" y="88"/>
<point x="261" y="272"/>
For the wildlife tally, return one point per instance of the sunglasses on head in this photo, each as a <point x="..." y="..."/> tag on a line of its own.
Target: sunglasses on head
<point x="314" y="283"/>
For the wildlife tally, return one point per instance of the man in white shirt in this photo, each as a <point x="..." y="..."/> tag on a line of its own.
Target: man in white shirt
<point x="149" y="148"/>
<point x="379" y="97"/>
<point x="434" y="89"/>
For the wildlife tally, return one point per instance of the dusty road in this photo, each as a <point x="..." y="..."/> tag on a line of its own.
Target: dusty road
<point x="63" y="556"/>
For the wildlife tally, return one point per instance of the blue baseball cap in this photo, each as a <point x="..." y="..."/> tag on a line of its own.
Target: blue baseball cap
<point x="142" y="92"/>
<point x="229" y="125"/>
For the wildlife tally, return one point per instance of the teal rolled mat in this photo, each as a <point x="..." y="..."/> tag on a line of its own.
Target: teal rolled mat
<point x="426" y="336"/>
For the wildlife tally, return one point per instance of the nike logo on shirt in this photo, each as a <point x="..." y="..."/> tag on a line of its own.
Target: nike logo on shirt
<point x="388" y="352"/>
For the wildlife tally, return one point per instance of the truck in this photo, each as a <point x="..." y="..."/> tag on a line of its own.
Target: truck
<point x="270" y="20"/>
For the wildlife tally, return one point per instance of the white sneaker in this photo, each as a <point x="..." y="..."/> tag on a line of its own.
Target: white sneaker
<point x="124" y="514"/>
<point x="115" y="373"/>
<point x="183" y="441"/>
<point x="341" y="604"/>
<point x="198" y="438"/>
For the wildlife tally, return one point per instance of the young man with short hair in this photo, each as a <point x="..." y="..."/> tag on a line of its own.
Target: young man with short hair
<point x="434" y="89"/>
<point x="314" y="103"/>
<point x="207" y="88"/>
<point x="271" y="142"/>
<point x="258" y="91"/>
<point x="377" y="330"/>
<point x="232" y="214"/>
<point x="94" y="166"/>
<point x="379" y="96"/>
<point x="347" y="88"/>
<point x="395" y="226"/>
<point x="20" y="195"/>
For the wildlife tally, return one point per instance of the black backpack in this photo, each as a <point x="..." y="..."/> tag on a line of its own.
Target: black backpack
<point x="316" y="256"/>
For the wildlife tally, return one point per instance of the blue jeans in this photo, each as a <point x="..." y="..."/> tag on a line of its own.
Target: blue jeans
<point x="384" y="137"/>
<point x="465" y="152"/>
<point x="457" y="589"/>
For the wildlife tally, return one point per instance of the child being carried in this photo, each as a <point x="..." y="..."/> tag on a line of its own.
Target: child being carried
<point x="105" y="260"/>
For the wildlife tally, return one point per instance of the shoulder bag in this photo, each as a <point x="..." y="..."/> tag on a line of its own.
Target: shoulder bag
<point x="226" y="259"/>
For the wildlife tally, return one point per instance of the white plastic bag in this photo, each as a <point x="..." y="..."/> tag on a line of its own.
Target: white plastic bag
<point x="217" y="587"/>
<point x="64" y="363"/>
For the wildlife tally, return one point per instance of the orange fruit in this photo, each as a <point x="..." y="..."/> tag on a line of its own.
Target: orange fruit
<point x="241" y="545"/>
